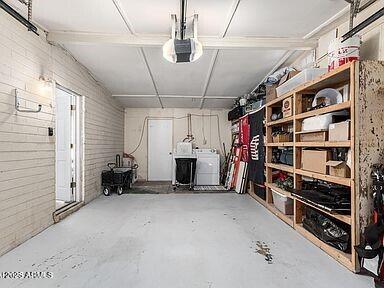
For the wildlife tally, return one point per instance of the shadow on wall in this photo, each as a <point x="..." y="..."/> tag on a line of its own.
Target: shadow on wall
<point x="370" y="49"/>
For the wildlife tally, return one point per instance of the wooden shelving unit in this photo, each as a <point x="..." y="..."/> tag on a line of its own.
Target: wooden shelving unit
<point x="328" y="178"/>
<point x="343" y="258"/>
<point x="366" y="107"/>
<point x="332" y="108"/>
<point x="334" y="79"/>
<point x="281" y="144"/>
<point x="286" y="218"/>
<point x="280" y="121"/>
<point x="278" y="189"/>
<point x="324" y="144"/>
<point x="282" y="167"/>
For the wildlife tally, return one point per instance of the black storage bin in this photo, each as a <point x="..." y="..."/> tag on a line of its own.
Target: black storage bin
<point x="235" y="113"/>
<point x="286" y="156"/>
<point x="332" y="232"/>
<point x="261" y="192"/>
<point x="120" y="178"/>
<point x="183" y="170"/>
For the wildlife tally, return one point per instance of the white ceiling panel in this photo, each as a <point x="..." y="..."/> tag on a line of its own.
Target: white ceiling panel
<point x="138" y="102"/>
<point x="185" y="79"/>
<point x="212" y="103"/>
<point x="153" y="17"/>
<point x="121" y="69"/>
<point x="80" y="15"/>
<point x="181" y="102"/>
<point x="237" y="72"/>
<point x="292" y="18"/>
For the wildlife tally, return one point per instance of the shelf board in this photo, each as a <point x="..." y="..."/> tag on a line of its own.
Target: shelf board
<point x="278" y="189"/>
<point x="333" y="78"/>
<point x="324" y="144"/>
<point x="343" y="218"/>
<point x="328" y="178"/>
<point x="280" y="98"/>
<point x="258" y="199"/>
<point x="280" y="121"/>
<point x="328" y="109"/>
<point x="286" y="218"/>
<point x="282" y="167"/>
<point x="281" y="144"/>
<point x="341" y="257"/>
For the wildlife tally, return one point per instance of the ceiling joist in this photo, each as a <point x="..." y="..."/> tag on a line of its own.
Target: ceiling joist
<point x="172" y="96"/>
<point x="208" y="42"/>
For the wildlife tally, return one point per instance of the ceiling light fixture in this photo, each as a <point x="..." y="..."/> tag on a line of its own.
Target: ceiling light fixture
<point x="182" y="50"/>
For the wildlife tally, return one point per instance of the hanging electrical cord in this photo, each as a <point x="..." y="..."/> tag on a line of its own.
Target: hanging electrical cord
<point x="218" y="129"/>
<point x="203" y="129"/>
<point x="179" y="118"/>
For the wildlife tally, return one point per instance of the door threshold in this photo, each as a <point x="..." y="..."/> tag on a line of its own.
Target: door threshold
<point x="66" y="210"/>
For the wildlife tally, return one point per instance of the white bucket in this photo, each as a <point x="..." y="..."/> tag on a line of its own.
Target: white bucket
<point x="340" y="53"/>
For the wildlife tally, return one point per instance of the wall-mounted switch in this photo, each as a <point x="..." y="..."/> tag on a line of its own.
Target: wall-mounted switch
<point x="50" y="131"/>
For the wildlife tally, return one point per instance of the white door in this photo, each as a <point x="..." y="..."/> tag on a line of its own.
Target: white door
<point x="63" y="146"/>
<point x="159" y="150"/>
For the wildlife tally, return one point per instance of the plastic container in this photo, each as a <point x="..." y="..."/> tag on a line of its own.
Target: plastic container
<point x="304" y="76"/>
<point x="282" y="203"/>
<point x="340" y="53"/>
<point x="321" y="122"/>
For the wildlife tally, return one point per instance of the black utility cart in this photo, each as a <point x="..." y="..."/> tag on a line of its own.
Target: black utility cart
<point x="116" y="178"/>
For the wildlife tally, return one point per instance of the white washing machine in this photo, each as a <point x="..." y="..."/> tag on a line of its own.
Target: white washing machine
<point x="207" y="167"/>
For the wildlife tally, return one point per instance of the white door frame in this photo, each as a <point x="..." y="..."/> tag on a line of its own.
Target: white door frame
<point x="172" y="135"/>
<point x="78" y="136"/>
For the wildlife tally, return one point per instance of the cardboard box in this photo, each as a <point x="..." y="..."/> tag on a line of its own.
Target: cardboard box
<point x="287" y="107"/>
<point x="339" y="131"/>
<point x="315" y="160"/>
<point x="288" y="76"/>
<point x="339" y="169"/>
<point x="279" y="138"/>
<point x="270" y="92"/>
<point x="306" y="103"/>
<point x="313" y="136"/>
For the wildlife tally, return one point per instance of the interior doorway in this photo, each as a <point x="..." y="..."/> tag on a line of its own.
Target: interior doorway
<point x="160" y="149"/>
<point x="68" y="147"/>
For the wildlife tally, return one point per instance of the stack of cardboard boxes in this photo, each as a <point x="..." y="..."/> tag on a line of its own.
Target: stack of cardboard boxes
<point x="320" y="160"/>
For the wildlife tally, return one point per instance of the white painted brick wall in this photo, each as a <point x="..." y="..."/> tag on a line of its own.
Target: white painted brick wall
<point x="27" y="154"/>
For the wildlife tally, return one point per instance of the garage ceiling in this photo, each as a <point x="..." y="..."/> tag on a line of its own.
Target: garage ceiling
<point x="249" y="38"/>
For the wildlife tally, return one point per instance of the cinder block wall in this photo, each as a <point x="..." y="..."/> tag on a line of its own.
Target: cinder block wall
<point x="27" y="153"/>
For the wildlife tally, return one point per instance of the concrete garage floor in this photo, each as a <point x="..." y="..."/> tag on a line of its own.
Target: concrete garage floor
<point x="175" y="240"/>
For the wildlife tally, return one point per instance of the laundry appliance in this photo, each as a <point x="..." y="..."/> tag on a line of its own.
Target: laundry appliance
<point x="207" y="167"/>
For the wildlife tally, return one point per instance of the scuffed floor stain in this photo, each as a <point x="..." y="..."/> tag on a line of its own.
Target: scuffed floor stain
<point x="263" y="249"/>
<point x="146" y="223"/>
